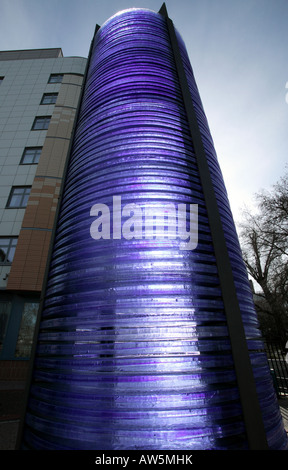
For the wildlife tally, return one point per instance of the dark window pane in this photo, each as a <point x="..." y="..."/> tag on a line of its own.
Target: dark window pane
<point x="26" y="332"/>
<point x="55" y="78"/>
<point x="5" y="308"/>
<point x="11" y="252"/>
<point x="7" y="249"/>
<point x="24" y="200"/>
<point x="16" y="199"/>
<point x="31" y="155"/>
<point x="28" y="158"/>
<point x="49" y="98"/>
<point x="4" y="247"/>
<point x="19" y="197"/>
<point x="41" y="123"/>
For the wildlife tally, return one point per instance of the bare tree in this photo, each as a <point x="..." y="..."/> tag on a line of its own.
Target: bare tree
<point x="263" y="238"/>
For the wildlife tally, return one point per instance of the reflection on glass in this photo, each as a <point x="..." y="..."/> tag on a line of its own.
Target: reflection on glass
<point x="7" y="249"/>
<point x="5" y="308"/>
<point x="26" y="332"/>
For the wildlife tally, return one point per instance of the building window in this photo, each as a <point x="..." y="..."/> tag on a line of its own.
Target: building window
<point x="49" y="98"/>
<point x="27" y="327"/>
<point x="19" y="196"/>
<point x="41" y="123"/>
<point x="31" y="155"/>
<point x="55" y="78"/>
<point x="7" y="249"/>
<point x="5" y="309"/>
<point x="1" y="80"/>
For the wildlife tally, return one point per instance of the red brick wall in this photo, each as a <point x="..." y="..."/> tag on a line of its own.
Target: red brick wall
<point x="14" y="370"/>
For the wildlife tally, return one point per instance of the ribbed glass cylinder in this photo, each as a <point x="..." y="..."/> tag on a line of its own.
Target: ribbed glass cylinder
<point x="133" y="349"/>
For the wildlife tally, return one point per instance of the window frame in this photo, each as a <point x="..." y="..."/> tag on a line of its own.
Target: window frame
<point x="10" y="246"/>
<point x="23" y="347"/>
<point x="5" y="313"/>
<point x="34" y="156"/>
<point x="55" y="78"/>
<point x="46" y="122"/>
<point x="15" y="306"/>
<point x="49" y="95"/>
<point x="23" y="197"/>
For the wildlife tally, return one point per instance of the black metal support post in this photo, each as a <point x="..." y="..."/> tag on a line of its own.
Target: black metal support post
<point x="247" y="388"/>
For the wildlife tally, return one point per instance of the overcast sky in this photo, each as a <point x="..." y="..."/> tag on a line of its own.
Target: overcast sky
<point x="239" y="53"/>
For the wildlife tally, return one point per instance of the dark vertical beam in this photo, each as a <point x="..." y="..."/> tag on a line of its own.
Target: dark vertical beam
<point x="42" y="298"/>
<point x="247" y="388"/>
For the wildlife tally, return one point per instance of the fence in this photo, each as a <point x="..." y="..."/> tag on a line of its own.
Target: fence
<point x="278" y="366"/>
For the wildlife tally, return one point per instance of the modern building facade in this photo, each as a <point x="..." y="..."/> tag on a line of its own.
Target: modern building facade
<point x="146" y="341"/>
<point x="39" y="94"/>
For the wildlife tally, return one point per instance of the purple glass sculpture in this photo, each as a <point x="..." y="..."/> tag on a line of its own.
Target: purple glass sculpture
<point x="133" y="348"/>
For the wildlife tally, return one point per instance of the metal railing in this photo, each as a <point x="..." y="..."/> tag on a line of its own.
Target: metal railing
<point x="276" y="355"/>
